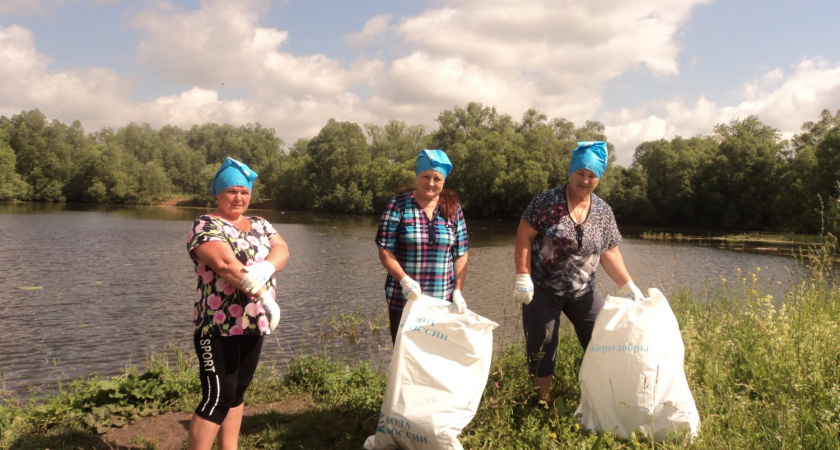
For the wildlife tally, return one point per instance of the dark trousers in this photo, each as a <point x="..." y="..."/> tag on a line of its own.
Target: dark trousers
<point x="394" y="318"/>
<point x="541" y="322"/>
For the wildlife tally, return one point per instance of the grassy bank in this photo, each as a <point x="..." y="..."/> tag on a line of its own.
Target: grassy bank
<point x="765" y="373"/>
<point x="742" y="238"/>
<point x="783" y="243"/>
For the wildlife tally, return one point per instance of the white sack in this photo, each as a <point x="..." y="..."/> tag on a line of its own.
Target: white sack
<point x="437" y="375"/>
<point x="632" y="375"/>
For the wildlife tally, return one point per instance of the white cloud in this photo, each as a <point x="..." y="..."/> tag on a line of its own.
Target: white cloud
<point x="217" y="43"/>
<point x="552" y="56"/>
<point x="782" y="101"/>
<point x="96" y="96"/>
<point x="785" y="103"/>
<point x="556" y="57"/>
<point x="571" y="43"/>
<point x="374" y="29"/>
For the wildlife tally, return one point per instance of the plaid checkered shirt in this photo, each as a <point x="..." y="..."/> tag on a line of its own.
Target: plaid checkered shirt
<point x="425" y="248"/>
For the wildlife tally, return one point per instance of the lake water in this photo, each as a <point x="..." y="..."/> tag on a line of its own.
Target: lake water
<point x="89" y="290"/>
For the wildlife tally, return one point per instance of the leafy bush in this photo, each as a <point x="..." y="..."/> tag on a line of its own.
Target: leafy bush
<point x="117" y="401"/>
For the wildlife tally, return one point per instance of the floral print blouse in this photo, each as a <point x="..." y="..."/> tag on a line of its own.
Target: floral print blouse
<point x="563" y="260"/>
<point x="220" y="308"/>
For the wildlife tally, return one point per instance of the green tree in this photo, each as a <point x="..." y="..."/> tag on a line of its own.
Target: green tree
<point x="292" y="189"/>
<point x="478" y="174"/>
<point x="108" y="174"/>
<point x="827" y="154"/>
<point x="671" y="170"/>
<point x="396" y="141"/>
<point x="181" y="163"/>
<point x="153" y="184"/>
<point x="736" y="191"/>
<point x="338" y="159"/>
<point x="472" y="123"/>
<point x="800" y="199"/>
<point x="42" y="159"/>
<point x="828" y="160"/>
<point x="12" y="187"/>
<point x="628" y="197"/>
<point x="140" y="141"/>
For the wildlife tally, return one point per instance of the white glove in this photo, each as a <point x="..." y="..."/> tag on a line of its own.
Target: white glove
<point x="410" y="288"/>
<point x="523" y="290"/>
<point x="258" y="276"/>
<point x="458" y="300"/>
<point x="272" y="309"/>
<point x="632" y="292"/>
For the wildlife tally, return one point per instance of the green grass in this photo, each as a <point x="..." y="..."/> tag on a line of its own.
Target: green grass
<point x="755" y="238"/>
<point x="764" y="372"/>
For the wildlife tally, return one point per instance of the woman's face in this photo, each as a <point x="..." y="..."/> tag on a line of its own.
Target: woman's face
<point x="429" y="184"/>
<point x="234" y="200"/>
<point x="582" y="182"/>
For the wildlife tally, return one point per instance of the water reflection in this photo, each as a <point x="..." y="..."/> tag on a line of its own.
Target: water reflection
<point x="93" y="289"/>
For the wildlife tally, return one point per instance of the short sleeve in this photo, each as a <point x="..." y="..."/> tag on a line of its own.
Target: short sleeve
<point x="462" y="238"/>
<point x="386" y="234"/>
<point x="263" y="227"/>
<point x="532" y="214"/>
<point x="612" y="236"/>
<point x="528" y="215"/>
<point x="204" y="230"/>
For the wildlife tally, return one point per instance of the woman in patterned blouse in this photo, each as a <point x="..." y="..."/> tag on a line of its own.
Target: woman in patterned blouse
<point x="235" y="257"/>
<point x="422" y="240"/>
<point x="563" y="234"/>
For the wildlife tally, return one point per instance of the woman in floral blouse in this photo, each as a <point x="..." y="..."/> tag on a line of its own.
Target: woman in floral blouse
<point x="235" y="257"/>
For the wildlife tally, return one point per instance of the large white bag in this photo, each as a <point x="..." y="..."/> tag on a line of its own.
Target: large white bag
<point x="437" y="375"/>
<point x="632" y="375"/>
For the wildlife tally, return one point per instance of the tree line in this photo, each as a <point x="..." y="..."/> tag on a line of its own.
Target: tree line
<point x="742" y="176"/>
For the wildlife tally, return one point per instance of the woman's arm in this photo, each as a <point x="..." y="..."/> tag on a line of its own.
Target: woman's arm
<point x="279" y="253"/>
<point x="254" y="282"/>
<point x="613" y="264"/>
<point x="525" y="236"/>
<point x="461" y="270"/>
<point x="390" y="263"/>
<point x="219" y="257"/>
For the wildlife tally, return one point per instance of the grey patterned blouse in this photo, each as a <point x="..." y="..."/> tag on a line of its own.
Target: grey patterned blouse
<point x="564" y="258"/>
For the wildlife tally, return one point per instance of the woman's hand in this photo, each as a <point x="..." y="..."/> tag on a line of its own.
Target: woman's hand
<point x="633" y="293"/>
<point x="523" y="289"/>
<point x="272" y="309"/>
<point x="258" y="275"/>
<point x="410" y="288"/>
<point x="458" y="300"/>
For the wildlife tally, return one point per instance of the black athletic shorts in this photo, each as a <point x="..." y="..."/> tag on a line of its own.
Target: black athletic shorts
<point x="226" y="367"/>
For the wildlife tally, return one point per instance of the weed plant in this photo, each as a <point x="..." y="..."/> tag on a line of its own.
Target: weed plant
<point x="764" y="372"/>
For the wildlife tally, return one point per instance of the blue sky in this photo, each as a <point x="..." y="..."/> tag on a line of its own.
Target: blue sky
<point x="646" y="69"/>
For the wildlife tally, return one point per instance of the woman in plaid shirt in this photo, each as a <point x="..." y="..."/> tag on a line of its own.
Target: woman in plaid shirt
<point x="422" y="240"/>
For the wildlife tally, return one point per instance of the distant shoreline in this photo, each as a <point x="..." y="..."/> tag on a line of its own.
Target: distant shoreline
<point x="190" y="202"/>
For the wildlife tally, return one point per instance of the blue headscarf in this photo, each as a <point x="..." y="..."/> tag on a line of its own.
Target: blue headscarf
<point x="232" y="173"/>
<point x="435" y="160"/>
<point x="590" y="155"/>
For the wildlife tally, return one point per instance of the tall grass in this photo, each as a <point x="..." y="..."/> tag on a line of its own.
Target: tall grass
<point x="764" y="372"/>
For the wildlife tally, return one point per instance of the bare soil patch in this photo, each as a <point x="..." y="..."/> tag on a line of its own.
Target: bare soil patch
<point x="169" y="431"/>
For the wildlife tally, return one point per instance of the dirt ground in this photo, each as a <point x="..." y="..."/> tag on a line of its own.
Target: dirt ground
<point x="169" y="431"/>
